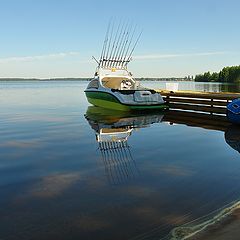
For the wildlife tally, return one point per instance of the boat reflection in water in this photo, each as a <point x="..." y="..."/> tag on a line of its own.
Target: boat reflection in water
<point x="112" y="129"/>
<point x="232" y="137"/>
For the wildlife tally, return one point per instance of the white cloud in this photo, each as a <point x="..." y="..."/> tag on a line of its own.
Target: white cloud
<point x="38" y="57"/>
<point x="161" y="56"/>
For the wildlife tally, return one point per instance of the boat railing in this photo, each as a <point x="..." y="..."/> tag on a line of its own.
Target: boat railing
<point x="208" y="102"/>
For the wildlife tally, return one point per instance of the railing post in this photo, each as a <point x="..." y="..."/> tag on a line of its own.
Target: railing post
<point x="211" y="106"/>
<point x="167" y="98"/>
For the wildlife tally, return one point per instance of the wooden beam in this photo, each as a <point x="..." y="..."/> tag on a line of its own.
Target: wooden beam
<point x="198" y="108"/>
<point x="210" y="102"/>
<point x="204" y="95"/>
<point x="195" y="101"/>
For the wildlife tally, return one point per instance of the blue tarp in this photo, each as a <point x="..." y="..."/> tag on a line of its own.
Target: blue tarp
<point x="234" y="106"/>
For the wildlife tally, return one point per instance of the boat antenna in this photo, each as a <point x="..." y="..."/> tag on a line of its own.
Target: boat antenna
<point x="95" y="60"/>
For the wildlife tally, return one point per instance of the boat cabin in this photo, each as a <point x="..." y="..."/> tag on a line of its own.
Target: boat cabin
<point x="117" y="79"/>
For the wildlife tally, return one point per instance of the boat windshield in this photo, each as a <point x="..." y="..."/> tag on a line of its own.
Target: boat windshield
<point x="119" y="83"/>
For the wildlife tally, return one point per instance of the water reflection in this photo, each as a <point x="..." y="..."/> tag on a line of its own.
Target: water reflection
<point x="114" y="132"/>
<point x="207" y="121"/>
<point x="196" y="119"/>
<point x="112" y="129"/>
<point x="232" y="137"/>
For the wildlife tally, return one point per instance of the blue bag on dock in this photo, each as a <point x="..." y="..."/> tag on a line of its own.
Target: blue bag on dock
<point x="233" y="111"/>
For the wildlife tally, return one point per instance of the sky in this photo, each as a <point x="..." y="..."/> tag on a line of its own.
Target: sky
<point x="57" y="38"/>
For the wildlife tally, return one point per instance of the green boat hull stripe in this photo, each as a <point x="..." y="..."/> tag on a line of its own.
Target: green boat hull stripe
<point x="102" y="95"/>
<point x="105" y="100"/>
<point x="108" y="104"/>
<point x="109" y="97"/>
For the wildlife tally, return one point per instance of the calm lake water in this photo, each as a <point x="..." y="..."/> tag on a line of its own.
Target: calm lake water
<point x="58" y="182"/>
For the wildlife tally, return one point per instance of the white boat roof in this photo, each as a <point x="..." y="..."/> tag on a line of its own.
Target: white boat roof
<point x="113" y="72"/>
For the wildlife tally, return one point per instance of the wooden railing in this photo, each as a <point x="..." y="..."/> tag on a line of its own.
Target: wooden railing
<point x="199" y="101"/>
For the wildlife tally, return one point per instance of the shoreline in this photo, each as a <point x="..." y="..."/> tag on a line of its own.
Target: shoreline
<point x="223" y="225"/>
<point x="228" y="228"/>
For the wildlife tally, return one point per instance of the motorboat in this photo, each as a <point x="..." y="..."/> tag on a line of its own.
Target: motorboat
<point x="113" y="85"/>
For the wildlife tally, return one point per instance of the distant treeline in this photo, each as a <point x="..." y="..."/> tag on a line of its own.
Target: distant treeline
<point x="189" y="78"/>
<point x="227" y="74"/>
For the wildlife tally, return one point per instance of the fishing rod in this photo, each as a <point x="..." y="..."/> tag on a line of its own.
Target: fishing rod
<point x="109" y="46"/>
<point x="105" y="49"/>
<point x="117" y="44"/>
<point x="128" y="47"/>
<point x="113" y="46"/>
<point x="125" y="45"/>
<point x="104" y="46"/>
<point x="130" y="55"/>
<point x="120" y="45"/>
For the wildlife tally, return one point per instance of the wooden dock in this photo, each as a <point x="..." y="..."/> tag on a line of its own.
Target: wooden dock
<point x="204" y="102"/>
